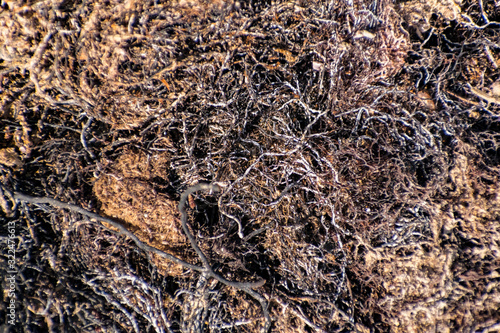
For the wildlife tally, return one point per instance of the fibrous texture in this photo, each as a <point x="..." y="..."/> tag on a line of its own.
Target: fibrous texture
<point x="354" y="146"/>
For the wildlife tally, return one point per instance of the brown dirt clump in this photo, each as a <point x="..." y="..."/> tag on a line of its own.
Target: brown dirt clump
<point x="355" y="145"/>
<point x="125" y="192"/>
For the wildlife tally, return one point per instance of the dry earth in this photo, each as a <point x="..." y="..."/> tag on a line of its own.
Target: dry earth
<point x="356" y="143"/>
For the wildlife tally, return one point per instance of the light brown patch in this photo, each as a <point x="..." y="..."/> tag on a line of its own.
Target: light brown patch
<point x="10" y="158"/>
<point x="126" y="193"/>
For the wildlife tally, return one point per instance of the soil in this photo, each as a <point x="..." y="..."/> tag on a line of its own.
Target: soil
<point x="356" y="145"/>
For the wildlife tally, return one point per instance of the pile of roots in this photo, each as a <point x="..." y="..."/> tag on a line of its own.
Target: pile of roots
<point x="356" y="145"/>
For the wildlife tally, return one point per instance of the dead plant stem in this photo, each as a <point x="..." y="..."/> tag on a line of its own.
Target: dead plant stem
<point x="206" y="269"/>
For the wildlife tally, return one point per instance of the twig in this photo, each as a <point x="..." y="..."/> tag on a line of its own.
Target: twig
<point x="206" y="269"/>
<point x="243" y="286"/>
<point x="122" y="230"/>
<point x="182" y="209"/>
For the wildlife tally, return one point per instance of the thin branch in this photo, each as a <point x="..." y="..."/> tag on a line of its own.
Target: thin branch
<point x="206" y="269"/>
<point x="243" y="286"/>
<point x="122" y="230"/>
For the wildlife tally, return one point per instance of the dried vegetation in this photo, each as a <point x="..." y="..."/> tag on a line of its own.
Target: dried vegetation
<point x="356" y="144"/>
